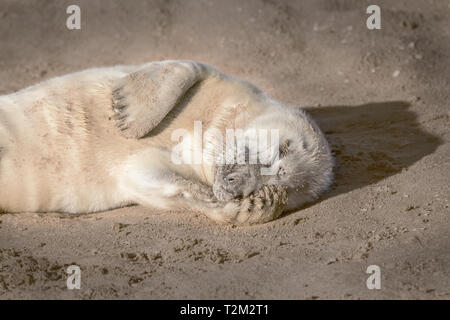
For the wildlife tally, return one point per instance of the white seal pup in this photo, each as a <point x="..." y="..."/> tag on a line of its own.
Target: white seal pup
<point x="103" y="138"/>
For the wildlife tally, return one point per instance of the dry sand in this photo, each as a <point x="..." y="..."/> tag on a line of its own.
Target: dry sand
<point x="382" y="97"/>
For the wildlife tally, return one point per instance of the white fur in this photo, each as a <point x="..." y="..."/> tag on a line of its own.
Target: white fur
<point x="61" y="151"/>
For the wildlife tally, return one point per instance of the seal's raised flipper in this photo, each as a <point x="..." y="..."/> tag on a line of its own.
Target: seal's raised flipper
<point x="143" y="98"/>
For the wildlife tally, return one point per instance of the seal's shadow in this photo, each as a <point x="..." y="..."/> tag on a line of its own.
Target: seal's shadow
<point x="371" y="142"/>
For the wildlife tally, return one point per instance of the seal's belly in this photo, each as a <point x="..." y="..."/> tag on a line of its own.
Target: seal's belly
<point x="50" y="158"/>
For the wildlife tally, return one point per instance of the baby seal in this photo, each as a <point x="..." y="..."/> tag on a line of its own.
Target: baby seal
<point x="105" y="138"/>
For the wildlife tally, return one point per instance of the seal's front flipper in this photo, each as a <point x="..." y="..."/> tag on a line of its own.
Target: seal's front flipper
<point x="143" y="98"/>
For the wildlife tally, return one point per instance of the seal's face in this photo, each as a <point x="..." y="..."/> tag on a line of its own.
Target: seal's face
<point x="236" y="181"/>
<point x="302" y="162"/>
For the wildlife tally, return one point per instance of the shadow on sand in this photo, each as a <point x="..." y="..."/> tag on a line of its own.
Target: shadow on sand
<point x="372" y="141"/>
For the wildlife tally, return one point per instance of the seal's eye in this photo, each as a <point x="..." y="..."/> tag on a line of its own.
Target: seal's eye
<point x="228" y="179"/>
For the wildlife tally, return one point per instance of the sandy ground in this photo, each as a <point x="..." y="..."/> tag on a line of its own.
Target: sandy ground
<point x="381" y="96"/>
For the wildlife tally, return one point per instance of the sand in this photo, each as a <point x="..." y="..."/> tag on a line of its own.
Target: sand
<point x="381" y="96"/>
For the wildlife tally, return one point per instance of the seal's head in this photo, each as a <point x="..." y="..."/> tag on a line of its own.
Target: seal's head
<point x="299" y="159"/>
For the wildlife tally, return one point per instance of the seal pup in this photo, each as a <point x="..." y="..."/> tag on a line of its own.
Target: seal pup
<point x="103" y="138"/>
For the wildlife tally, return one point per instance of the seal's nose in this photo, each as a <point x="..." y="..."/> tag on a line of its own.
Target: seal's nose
<point x="222" y="194"/>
